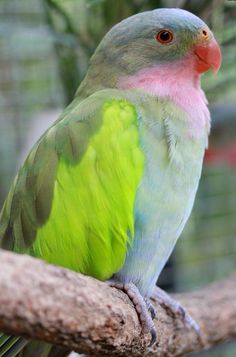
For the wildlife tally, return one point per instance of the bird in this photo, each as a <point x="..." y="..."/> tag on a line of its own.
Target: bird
<point x="108" y="188"/>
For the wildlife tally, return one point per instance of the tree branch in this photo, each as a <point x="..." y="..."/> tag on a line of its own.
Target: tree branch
<point x="53" y="304"/>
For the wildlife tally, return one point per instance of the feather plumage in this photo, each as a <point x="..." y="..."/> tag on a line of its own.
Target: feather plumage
<point x="73" y="199"/>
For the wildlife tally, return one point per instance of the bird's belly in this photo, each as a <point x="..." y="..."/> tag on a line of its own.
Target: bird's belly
<point x="163" y="204"/>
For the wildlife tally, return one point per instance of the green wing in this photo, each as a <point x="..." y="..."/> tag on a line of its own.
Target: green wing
<point x="72" y="201"/>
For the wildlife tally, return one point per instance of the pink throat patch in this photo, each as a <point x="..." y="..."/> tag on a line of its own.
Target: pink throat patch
<point x="181" y="84"/>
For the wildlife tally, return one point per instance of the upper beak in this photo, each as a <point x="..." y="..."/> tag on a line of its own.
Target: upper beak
<point x="208" y="56"/>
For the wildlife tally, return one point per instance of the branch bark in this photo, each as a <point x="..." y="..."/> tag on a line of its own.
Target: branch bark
<point x="49" y="303"/>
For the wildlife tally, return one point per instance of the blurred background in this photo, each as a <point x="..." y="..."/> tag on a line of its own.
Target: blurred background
<point x="45" y="46"/>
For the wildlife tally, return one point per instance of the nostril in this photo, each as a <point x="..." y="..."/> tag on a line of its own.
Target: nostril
<point x="204" y="32"/>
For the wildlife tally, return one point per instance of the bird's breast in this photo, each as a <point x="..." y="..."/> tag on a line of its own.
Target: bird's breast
<point x="164" y="200"/>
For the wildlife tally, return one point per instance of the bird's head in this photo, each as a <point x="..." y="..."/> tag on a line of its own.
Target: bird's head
<point x="162" y="38"/>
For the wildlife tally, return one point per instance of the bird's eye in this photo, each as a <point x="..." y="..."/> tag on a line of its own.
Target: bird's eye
<point x="164" y="36"/>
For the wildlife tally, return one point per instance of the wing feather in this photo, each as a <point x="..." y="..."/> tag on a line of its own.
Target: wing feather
<point x="72" y="201"/>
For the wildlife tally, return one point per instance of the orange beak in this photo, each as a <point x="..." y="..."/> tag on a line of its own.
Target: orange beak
<point x="208" y="56"/>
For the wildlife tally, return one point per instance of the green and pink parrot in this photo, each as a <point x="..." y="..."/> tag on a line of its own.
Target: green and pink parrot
<point x="108" y="188"/>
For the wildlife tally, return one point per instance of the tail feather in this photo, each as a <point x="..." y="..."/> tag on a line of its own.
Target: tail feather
<point x="10" y="346"/>
<point x="13" y="346"/>
<point x="3" y="339"/>
<point x="16" y="348"/>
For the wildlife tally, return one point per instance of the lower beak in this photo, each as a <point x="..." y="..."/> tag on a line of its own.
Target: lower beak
<point x="208" y="56"/>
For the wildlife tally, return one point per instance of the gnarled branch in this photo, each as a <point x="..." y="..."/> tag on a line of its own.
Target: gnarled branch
<point x="39" y="300"/>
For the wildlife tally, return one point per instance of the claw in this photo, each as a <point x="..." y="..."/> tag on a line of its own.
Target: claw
<point x="153" y="333"/>
<point x="150" y="308"/>
<point x="177" y="309"/>
<point x="142" y="307"/>
<point x="191" y="323"/>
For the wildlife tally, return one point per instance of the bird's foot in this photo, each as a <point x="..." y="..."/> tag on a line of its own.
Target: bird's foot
<point x="176" y="308"/>
<point x="143" y="307"/>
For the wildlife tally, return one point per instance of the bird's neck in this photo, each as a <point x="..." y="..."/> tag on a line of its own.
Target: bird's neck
<point x="179" y="83"/>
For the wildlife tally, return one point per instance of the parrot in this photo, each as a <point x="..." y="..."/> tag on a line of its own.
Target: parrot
<point x="107" y="190"/>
